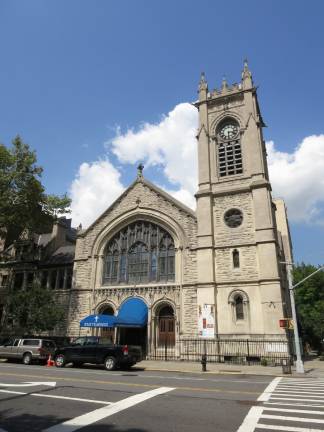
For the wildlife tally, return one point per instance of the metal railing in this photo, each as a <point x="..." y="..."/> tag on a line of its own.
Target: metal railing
<point x="235" y="351"/>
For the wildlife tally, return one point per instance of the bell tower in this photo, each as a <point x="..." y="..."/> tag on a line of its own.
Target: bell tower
<point x="238" y="264"/>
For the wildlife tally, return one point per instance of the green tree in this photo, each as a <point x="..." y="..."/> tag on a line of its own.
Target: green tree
<point x="23" y="203"/>
<point x="309" y="298"/>
<point x="33" y="310"/>
<point x="57" y="205"/>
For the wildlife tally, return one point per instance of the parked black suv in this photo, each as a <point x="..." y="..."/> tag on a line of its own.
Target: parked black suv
<point x="92" y="349"/>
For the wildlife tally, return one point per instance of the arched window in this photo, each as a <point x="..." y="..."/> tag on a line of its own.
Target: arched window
<point x="229" y="148"/>
<point x="239" y="302"/>
<point x="236" y="258"/>
<point x="141" y="252"/>
<point x="239" y="310"/>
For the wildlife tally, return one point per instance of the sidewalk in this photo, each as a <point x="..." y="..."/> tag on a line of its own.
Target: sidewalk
<point x="313" y="368"/>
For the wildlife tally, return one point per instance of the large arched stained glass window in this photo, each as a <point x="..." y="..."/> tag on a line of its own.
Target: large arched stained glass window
<point x="141" y="252"/>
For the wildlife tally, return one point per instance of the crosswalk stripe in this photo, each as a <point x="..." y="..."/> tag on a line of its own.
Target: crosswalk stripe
<point x="295" y="399"/>
<point x="295" y="419"/>
<point x="286" y="428"/>
<point x="300" y="392"/>
<point x="318" y="389"/>
<point x="286" y="400"/>
<point x="294" y="404"/>
<point x="279" y="393"/>
<point x="294" y="410"/>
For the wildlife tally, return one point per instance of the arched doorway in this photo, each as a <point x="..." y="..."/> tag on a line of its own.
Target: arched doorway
<point x="107" y="332"/>
<point x="166" y="326"/>
<point x="132" y="323"/>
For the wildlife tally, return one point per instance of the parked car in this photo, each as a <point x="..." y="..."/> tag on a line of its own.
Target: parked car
<point x="27" y="350"/>
<point x="95" y="350"/>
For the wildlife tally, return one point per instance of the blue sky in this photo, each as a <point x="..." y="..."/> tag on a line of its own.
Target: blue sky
<point x="77" y="77"/>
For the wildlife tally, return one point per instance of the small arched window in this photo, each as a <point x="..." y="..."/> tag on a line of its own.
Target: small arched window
<point x="141" y="252"/>
<point x="236" y="258"/>
<point x="239" y="310"/>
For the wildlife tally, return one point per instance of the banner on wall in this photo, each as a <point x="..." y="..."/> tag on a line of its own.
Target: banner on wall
<point x="206" y="321"/>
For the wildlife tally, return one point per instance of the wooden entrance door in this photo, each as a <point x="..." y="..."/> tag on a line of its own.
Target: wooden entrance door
<point x="166" y="331"/>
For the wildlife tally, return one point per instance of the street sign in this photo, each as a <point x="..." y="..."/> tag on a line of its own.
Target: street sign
<point x="286" y="323"/>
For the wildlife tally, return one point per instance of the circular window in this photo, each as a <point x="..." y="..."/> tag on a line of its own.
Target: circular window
<point x="233" y="218"/>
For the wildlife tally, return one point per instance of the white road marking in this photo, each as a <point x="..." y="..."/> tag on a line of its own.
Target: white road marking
<point x="302" y="389"/>
<point x="12" y="392"/>
<point x="294" y="404"/>
<point x="278" y="394"/>
<point x="267" y="392"/>
<point x="29" y="384"/>
<point x="295" y="419"/>
<point x="300" y="392"/>
<point x="58" y="397"/>
<point x="303" y="386"/>
<point x="294" y="410"/>
<point x="101" y="413"/>
<point x="296" y="399"/>
<point x="251" y="420"/>
<point x="287" y="428"/>
<point x="71" y="398"/>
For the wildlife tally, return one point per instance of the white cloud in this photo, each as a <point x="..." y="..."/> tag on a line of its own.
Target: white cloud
<point x="171" y="143"/>
<point x="298" y="178"/>
<point x="95" y="187"/>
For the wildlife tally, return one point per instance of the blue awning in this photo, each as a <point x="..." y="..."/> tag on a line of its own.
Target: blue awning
<point x="98" y="321"/>
<point x="133" y="313"/>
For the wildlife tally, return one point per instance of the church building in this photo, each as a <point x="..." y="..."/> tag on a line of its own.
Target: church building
<point x="165" y="276"/>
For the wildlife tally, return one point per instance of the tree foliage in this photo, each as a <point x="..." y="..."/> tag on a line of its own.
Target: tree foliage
<point x="309" y="298"/>
<point x="33" y="310"/>
<point x="23" y="203"/>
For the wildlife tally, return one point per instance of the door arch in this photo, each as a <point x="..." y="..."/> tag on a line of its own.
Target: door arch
<point x="107" y="332"/>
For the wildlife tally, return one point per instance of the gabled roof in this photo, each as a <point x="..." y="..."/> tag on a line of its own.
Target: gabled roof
<point x="151" y="186"/>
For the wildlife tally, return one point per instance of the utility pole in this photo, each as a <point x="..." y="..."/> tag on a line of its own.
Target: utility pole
<point x="299" y="361"/>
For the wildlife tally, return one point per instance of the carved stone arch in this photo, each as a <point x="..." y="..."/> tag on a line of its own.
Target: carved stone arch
<point x="226" y="115"/>
<point x="239" y="302"/>
<point x="160" y="303"/>
<point x="159" y="218"/>
<point x="233" y="294"/>
<point x="108" y="303"/>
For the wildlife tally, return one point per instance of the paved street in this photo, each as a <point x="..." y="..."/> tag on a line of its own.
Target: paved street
<point x="37" y="398"/>
<point x="96" y="400"/>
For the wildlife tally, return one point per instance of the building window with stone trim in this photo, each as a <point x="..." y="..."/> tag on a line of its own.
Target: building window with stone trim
<point x="142" y="252"/>
<point x="239" y="302"/>
<point x="236" y="259"/>
<point x="229" y="148"/>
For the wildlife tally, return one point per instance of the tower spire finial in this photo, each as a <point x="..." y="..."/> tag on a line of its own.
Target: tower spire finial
<point x="246" y="75"/>
<point x="140" y="168"/>
<point x="224" y="84"/>
<point x="202" y="87"/>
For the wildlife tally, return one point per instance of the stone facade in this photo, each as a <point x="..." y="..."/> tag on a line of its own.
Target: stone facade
<point x="227" y="280"/>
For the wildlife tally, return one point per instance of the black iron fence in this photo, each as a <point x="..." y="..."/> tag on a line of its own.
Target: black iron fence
<point x="235" y="351"/>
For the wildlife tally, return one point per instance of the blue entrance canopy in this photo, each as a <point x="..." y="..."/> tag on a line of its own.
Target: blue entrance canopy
<point x="133" y="313"/>
<point x="98" y="321"/>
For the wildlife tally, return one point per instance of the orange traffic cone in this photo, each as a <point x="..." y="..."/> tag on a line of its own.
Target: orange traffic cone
<point x="50" y="362"/>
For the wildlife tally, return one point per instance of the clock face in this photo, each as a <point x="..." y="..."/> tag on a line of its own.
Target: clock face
<point x="229" y="131"/>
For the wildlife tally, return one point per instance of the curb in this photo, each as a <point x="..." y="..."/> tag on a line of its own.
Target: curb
<point x="229" y="372"/>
